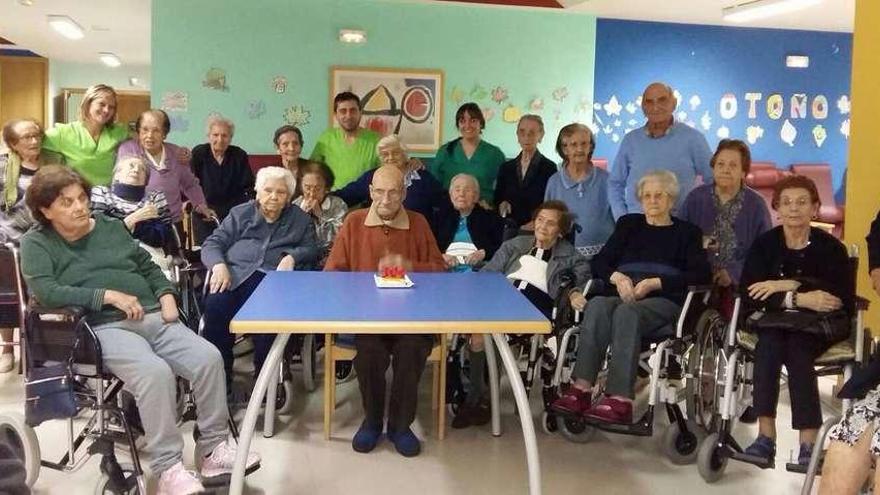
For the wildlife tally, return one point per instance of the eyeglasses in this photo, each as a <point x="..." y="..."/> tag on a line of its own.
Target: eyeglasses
<point x="31" y="135"/>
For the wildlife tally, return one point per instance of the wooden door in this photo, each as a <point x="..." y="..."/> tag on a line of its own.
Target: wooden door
<point x="24" y="87"/>
<point x="129" y="105"/>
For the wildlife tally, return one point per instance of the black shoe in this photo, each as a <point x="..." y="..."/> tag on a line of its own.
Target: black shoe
<point x="472" y="415"/>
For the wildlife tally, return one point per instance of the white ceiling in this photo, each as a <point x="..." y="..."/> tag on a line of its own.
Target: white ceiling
<point x="123" y="26"/>
<point x="118" y="26"/>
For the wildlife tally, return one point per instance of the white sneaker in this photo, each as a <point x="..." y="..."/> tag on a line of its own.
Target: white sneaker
<point x="7" y="362"/>
<point x="222" y="460"/>
<point x="176" y="480"/>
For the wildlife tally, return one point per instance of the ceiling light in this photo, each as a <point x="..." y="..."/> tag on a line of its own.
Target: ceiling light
<point x="66" y="26"/>
<point x="26" y="3"/>
<point x="133" y="81"/>
<point x="356" y="36"/>
<point x="109" y="59"/>
<point x="760" y="9"/>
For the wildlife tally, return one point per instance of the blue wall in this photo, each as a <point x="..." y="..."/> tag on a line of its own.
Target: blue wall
<point x="711" y="61"/>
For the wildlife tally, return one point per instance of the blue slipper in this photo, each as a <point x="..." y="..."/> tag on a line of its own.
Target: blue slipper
<point x="763" y="447"/>
<point x="366" y="438"/>
<point x="406" y="442"/>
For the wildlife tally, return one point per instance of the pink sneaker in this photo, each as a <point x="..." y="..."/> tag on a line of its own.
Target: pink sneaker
<point x="176" y="480"/>
<point x="217" y="467"/>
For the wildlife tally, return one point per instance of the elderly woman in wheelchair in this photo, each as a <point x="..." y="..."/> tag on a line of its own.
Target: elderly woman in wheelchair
<point x="646" y="268"/>
<point x="800" y="299"/>
<point x="74" y="259"/>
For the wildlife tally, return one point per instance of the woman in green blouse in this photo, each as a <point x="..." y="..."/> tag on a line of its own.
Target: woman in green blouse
<point x="468" y="153"/>
<point x="89" y="145"/>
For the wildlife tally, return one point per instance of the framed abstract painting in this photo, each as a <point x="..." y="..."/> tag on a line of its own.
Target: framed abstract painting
<point x="406" y="102"/>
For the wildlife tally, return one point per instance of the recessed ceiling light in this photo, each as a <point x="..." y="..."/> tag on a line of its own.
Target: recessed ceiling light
<point x="355" y="36"/>
<point x="26" y="3"/>
<point x="745" y="11"/>
<point x="110" y="59"/>
<point x="66" y="26"/>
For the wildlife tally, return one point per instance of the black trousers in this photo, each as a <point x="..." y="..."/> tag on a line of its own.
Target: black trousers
<point x="374" y="354"/>
<point x="798" y="352"/>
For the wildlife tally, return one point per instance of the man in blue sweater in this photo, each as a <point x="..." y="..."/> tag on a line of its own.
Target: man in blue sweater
<point x="662" y="143"/>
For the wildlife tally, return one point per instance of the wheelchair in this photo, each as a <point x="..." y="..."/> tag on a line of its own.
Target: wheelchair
<point x="729" y="380"/>
<point x="667" y="359"/>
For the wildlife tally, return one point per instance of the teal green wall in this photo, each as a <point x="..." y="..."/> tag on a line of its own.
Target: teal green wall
<point x="529" y="52"/>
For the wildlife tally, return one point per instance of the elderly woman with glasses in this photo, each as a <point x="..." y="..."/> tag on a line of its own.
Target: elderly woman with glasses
<point x="89" y="145"/>
<point x="646" y="266"/>
<point x="327" y="211"/>
<point x="257" y="237"/>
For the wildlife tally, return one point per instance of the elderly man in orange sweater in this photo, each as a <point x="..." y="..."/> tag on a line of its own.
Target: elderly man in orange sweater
<point x="386" y="235"/>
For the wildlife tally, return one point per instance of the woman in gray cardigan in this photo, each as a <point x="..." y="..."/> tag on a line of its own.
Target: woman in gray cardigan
<point x="535" y="265"/>
<point x="255" y="237"/>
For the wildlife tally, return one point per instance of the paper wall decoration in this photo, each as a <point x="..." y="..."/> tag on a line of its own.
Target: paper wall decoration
<point x="706" y="121"/>
<point x="843" y="105"/>
<point x="618" y="123"/>
<point x="297" y="115"/>
<point x="488" y="113"/>
<point x="456" y="95"/>
<point x="727" y="107"/>
<point x="179" y="123"/>
<point x="695" y="102"/>
<point x="613" y="107"/>
<point x="631" y="107"/>
<point x="676" y="94"/>
<point x="215" y="78"/>
<point x="175" y="101"/>
<point x="279" y="84"/>
<point x="723" y="132"/>
<point x="536" y="105"/>
<point x="820" y="107"/>
<point x="632" y="122"/>
<point x="754" y="133"/>
<point x="844" y="128"/>
<point x="798" y="106"/>
<point x="682" y="116"/>
<point x="775" y="106"/>
<point x="819" y="135"/>
<point x="583" y="106"/>
<point x="753" y="99"/>
<point x="478" y="92"/>
<point x="499" y="94"/>
<point x="788" y="133"/>
<point x="256" y="109"/>
<point x="560" y="94"/>
<point x="511" y="114"/>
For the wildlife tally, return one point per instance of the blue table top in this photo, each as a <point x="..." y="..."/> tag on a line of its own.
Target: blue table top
<point x="350" y="302"/>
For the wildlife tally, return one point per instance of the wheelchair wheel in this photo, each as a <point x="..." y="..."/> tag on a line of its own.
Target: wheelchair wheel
<point x="284" y="397"/>
<point x="703" y="365"/>
<point x="104" y="486"/>
<point x="309" y="356"/>
<point x="710" y="461"/>
<point x="549" y="423"/>
<point x="575" y="430"/>
<point x="680" y="447"/>
<point x="23" y="441"/>
<point x="344" y="371"/>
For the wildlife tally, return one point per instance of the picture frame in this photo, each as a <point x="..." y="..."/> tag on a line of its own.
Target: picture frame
<point x="407" y="102"/>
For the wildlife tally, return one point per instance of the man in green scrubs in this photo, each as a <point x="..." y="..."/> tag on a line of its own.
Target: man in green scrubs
<point x="348" y="150"/>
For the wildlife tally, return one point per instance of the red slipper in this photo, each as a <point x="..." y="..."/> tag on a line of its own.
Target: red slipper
<point x="611" y="410"/>
<point x="572" y="402"/>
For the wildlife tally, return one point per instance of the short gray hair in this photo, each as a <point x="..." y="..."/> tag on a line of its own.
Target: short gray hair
<point x="266" y="174"/>
<point x="667" y="180"/>
<point x="216" y="120"/>
<point x="128" y="158"/>
<point x="468" y="177"/>
<point x="534" y="118"/>
<point x="392" y="141"/>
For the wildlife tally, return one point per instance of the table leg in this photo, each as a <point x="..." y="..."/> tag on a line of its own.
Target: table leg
<point x="525" y="413"/>
<point x="270" y="368"/>
<point x="494" y="385"/>
<point x="269" y="411"/>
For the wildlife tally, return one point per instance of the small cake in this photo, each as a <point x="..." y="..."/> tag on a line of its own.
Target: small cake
<point x="393" y="273"/>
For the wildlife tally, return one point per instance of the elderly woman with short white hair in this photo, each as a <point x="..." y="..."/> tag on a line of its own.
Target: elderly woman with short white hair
<point x="223" y="171"/>
<point x="424" y="193"/>
<point x="257" y="237"/>
<point x="646" y="266"/>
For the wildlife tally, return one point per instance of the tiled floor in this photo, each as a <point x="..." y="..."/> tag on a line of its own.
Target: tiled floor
<point x="297" y="460"/>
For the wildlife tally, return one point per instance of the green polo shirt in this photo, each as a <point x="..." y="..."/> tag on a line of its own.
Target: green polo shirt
<point x="93" y="160"/>
<point x="347" y="160"/>
<point x="483" y="164"/>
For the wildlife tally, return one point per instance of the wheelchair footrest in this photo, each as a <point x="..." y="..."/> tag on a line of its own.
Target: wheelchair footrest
<point x="644" y="427"/>
<point x="794" y="467"/>
<point x="761" y="462"/>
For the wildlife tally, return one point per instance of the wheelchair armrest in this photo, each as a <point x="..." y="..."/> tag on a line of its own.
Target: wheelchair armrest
<point x="65" y="313"/>
<point x="700" y="289"/>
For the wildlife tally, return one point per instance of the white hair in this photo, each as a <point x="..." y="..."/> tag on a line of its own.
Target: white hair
<point x="392" y="141"/>
<point x="216" y="120"/>
<point x="266" y="174"/>
<point x="667" y="180"/>
<point x="468" y="177"/>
